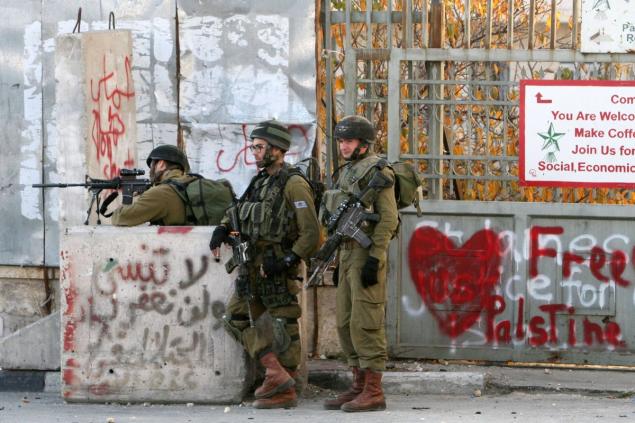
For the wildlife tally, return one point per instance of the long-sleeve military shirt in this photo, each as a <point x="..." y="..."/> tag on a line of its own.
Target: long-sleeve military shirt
<point x="385" y="205"/>
<point x="158" y="205"/>
<point x="298" y="197"/>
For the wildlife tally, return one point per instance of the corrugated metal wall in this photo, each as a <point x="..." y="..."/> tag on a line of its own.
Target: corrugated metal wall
<point x="226" y="67"/>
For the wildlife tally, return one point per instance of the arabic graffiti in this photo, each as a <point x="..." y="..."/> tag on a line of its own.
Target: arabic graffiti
<point x="108" y="127"/>
<point x="147" y="316"/>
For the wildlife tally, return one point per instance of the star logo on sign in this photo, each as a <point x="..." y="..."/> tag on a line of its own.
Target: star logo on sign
<point x="550" y="144"/>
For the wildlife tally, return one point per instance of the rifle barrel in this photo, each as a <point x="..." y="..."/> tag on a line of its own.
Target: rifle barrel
<point x="58" y="185"/>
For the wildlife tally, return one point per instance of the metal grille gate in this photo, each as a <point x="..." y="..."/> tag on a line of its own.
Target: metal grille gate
<point x="450" y="105"/>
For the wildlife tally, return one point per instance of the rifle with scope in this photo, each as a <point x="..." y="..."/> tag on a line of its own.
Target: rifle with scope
<point x="127" y="182"/>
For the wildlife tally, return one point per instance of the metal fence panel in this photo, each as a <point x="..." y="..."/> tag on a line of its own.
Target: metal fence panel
<point x="241" y="65"/>
<point x="21" y="226"/>
<point x="513" y="281"/>
<point x="154" y="71"/>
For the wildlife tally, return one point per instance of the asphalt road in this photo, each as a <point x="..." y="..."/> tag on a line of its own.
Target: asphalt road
<point x="516" y="407"/>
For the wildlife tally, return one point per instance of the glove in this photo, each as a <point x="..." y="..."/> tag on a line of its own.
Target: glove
<point x="369" y="272"/>
<point x="336" y="275"/>
<point x="218" y="237"/>
<point x="104" y="205"/>
<point x="272" y="267"/>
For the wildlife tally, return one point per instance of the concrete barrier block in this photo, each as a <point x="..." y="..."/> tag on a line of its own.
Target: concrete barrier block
<point x="34" y="347"/>
<point x="141" y="317"/>
<point x="95" y="113"/>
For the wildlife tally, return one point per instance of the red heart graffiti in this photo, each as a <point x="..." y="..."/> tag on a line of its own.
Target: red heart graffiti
<point x="456" y="284"/>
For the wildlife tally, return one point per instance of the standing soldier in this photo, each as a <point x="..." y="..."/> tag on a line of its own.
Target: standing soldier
<point x="361" y="272"/>
<point x="160" y="205"/>
<point x="277" y="215"/>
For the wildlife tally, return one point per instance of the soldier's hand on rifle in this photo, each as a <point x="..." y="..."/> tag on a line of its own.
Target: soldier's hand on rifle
<point x="369" y="271"/>
<point x="219" y="237"/>
<point x="271" y="266"/>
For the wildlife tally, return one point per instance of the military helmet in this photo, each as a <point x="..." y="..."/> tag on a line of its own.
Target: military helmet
<point x="274" y="133"/>
<point x="169" y="153"/>
<point x="355" y="127"/>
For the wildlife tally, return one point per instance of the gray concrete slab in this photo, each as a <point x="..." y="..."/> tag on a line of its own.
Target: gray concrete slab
<point x="34" y="347"/>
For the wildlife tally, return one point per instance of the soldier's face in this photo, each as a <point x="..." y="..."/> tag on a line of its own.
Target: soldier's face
<point x="259" y="149"/>
<point x="156" y="170"/>
<point x="348" y="146"/>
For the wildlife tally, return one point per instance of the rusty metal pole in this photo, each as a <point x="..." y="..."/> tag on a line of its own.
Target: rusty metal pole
<point x="435" y="73"/>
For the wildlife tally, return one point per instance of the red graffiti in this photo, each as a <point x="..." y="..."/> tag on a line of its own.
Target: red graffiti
<point x="69" y="336"/>
<point x="108" y="127"/>
<point x="544" y="329"/>
<point x="242" y="153"/>
<point x="455" y="283"/>
<point x="99" y="389"/>
<point x="597" y="261"/>
<point x="458" y="285"/>
<point x="174" y="229"/>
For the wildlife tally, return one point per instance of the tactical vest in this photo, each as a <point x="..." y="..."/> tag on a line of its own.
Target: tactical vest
<point x="263" y="212"/>
<point x="351" y="182"/>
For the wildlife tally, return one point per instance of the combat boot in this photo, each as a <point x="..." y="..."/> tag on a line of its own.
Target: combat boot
<point x="297" y="378"/>
<point x="371" y="398"/>
<point x="277" y="379"/>
<point x="351" y="394"/>
<point x="285" y="399"/>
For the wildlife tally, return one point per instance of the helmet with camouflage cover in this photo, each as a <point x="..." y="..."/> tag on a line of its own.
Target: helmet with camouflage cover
<point x="355" y="127"/>
<point x="169" y="153"/>
<point x="274" y="133"/>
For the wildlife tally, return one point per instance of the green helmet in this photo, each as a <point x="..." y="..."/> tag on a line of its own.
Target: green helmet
<point x="169" y="153"/>
<point x="355" y="127"/>
<point x="274" y="133"/>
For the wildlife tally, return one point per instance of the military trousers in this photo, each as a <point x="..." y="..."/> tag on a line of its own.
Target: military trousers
<point x="284" y="339"/>
<point x="361" y="311"/>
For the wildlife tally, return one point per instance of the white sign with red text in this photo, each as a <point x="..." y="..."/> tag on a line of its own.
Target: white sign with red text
<point x="577" y="133"/>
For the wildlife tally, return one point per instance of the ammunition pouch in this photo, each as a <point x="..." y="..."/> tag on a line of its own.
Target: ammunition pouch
<point x="274" y="291"/>
<point x="281" y="338"/>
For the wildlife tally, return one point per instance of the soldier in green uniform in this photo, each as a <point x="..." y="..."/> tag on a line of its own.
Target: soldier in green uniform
<point x="277" y="214"/>
<point x="160" y="205"/>
<point x="361" y="273"/>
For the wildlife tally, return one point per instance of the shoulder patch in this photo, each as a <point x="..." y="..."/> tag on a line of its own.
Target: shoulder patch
<point x="300" y="204"/>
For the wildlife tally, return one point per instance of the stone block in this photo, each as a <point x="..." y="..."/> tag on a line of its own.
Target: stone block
<point x="141" y="317"/>
<point x="34" y="347"/>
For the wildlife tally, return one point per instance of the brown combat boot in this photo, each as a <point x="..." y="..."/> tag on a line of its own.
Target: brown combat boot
<point x="297" y="378"/>
<point x="371" y="398"/>
<point x="277" y="379"/>
<point x="285" y="399"/>
<point x="351" y="394"/>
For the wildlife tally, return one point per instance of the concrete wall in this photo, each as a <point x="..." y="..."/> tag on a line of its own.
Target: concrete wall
<point x="95" y="113"/>
<point x="141" y="310"/>
<point x="27" y="296"/>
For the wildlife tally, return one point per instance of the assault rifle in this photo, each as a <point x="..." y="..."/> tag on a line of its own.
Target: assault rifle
<point x="127" y="182"/>
<point x="345" y="223"/>
<point x="241" y="256"/>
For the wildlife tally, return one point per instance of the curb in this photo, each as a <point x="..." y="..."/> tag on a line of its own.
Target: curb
<point x="408" y="383"/>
